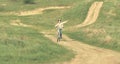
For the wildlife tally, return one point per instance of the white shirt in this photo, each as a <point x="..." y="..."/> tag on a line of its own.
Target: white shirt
<point x="59" y="25"/>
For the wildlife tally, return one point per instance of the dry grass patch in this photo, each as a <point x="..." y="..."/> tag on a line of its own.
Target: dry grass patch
<point x="95" y="31"/>
<point x="35" y="11"/>
<point x="19" y="23"/>
<point x="108" y="39"/>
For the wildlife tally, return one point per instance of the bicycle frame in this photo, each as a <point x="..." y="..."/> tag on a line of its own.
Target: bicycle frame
<point x="59" y="35"/>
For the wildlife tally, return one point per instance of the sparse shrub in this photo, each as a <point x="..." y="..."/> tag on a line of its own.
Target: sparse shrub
<point x="29" y="1"/>
<point x="14" y="0"/>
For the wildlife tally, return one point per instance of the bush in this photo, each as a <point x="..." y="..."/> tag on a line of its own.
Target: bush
<point x="29" y="1"/>
<point x="14" y="0"/>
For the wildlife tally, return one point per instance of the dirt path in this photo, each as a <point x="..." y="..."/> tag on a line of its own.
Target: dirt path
<point x="40" y="10"/>
<point x="35" y="11"/>
<point x="19" y="23"/>
<point x="86" y="54"/>
<point x="92" y="14"/>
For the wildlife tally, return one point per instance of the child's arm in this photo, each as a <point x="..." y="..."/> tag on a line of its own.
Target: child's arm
<point x="65" y="22"/>
<point x="56" y="25"/>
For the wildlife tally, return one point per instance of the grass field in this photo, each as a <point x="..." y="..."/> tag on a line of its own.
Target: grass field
<point x="18" y="5"/>
<point x="105" y="32"/>
<point x="25" y="45"/>
<point x="22" y="45"/>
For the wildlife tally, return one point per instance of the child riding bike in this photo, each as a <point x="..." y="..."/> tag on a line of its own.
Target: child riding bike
<point x="59" y="26"/>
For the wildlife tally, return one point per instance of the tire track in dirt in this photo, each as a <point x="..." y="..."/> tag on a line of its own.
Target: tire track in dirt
<point x="86" y="54"/>
<point x="35" y="11"/>
<point x="92" y="14"/>
<point x="40" y="10"/>
<point x="19" y="23"/>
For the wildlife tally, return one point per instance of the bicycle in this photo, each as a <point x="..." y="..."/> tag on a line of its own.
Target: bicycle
<point x="59" y="27"/>
<point x="59" y="35"/>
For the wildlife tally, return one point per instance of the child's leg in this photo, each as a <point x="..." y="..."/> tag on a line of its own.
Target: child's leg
<point x="58" y="37"/>
<point x="58" y="33"/>
<point x="61" y="33"/>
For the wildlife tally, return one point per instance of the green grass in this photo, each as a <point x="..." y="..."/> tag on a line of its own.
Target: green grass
<point x="45" y="21"/>
<point x="23" y="45"/>
<point x="107" y="27"/>
<point x="19" y="5"/>
<point x="19" y="45"/>
<point x="76" y="14"/>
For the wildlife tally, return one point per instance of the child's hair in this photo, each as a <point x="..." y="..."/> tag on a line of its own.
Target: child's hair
<point x="59" y="20"/>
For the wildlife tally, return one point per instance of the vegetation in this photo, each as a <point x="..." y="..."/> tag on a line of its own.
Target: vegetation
<point x="25" y="45"/>
<point x="29" y="1"/>
<point x="105" y="32"/>
<point x="22" y="45"/>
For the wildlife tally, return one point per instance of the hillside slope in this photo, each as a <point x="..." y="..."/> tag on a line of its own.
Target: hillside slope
<point x="86" y="54"/>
